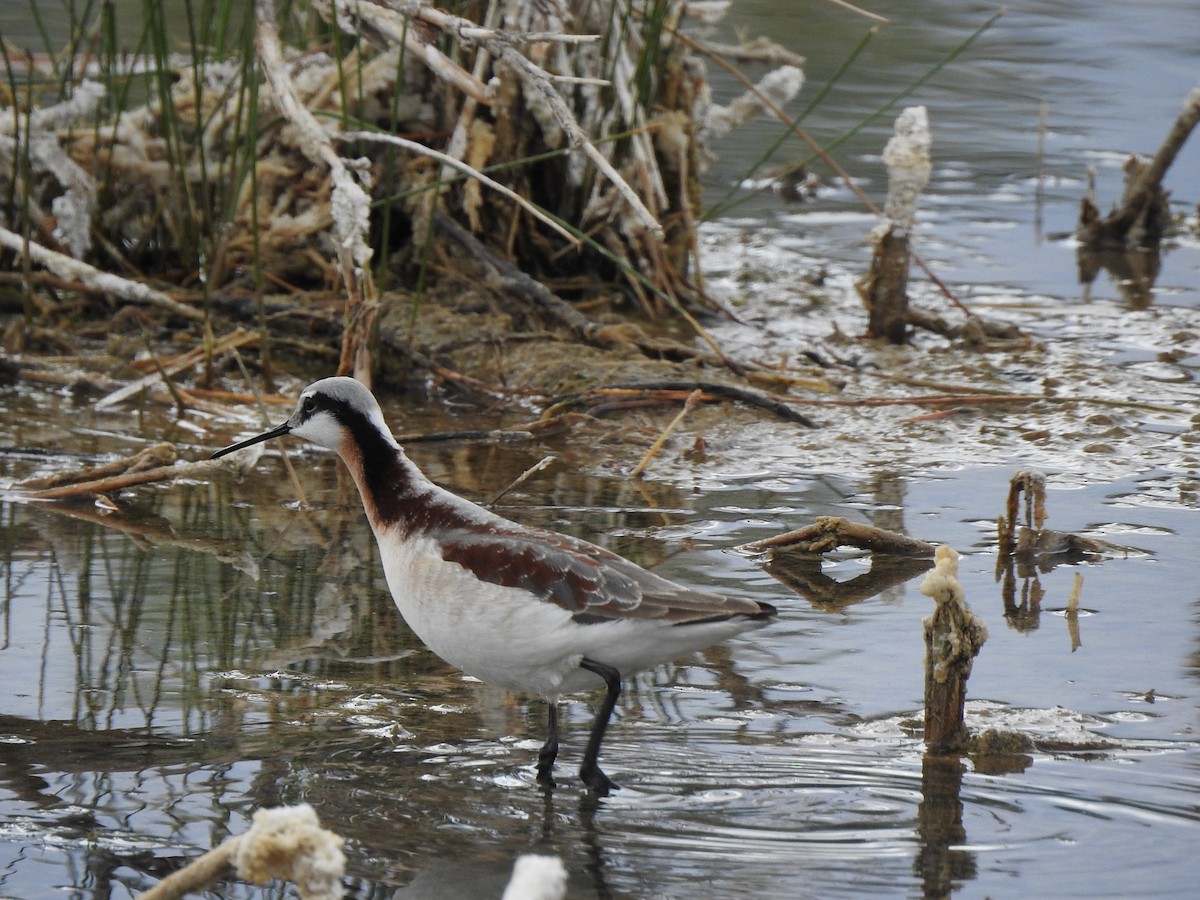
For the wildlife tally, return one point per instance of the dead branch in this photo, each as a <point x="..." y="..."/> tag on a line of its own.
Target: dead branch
<point x="285" y="842"/>
<point x="1144" y="211"/>
<point x="693" y="399"/>
<point x="93" y="487"/>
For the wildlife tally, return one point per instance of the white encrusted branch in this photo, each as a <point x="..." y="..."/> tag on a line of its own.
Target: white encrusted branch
<point x="776" y="88"/>
<point x="909" y="166"/>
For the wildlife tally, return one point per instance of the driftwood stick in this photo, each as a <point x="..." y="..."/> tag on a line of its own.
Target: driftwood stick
<point x="953" y="638"/>
<point x="286" y="842"/>
<point x="198" y="875"/>
<point x="830" y="532"/>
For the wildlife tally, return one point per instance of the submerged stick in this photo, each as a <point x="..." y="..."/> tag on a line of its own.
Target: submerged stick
<point x="953" y="638"/>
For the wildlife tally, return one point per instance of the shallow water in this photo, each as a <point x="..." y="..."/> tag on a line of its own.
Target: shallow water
<point x="213" y="648"/>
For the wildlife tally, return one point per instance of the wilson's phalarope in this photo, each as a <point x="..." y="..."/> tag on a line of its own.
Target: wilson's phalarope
<point x="523" y="608"/>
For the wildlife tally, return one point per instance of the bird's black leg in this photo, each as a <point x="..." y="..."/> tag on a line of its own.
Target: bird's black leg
<point x="549" y="751"/>
<point x="590" y="770"/>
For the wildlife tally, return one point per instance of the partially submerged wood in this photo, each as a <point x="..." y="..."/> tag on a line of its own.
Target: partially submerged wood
<point x="1032" y="543"/>
<point x="830" y="532"/>
<point x="1144" y="212"/>
<point x="953" y="638"/>
<point x="794" y="558"/>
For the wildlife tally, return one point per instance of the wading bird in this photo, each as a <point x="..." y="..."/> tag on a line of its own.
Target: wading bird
<point x="524" y="608"/>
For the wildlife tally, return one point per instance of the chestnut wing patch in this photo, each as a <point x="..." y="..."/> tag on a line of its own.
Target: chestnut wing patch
<point x="593" y="584"/>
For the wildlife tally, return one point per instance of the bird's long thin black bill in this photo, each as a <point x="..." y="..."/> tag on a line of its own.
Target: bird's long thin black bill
<point x="280" y="431"/>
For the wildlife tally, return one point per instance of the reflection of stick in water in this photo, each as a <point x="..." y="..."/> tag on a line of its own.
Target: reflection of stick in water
<point x="953" y="637"/>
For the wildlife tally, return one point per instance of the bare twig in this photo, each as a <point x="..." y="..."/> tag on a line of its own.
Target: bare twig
<point x="688" y="405"/>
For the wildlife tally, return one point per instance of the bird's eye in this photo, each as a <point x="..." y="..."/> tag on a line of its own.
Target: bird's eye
<point x="308" y="404"/>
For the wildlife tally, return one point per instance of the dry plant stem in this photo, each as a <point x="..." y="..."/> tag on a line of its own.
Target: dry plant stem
<point x="953" y="638"/>
<point x="862" y="12"/>
<point x="457" y="146"/>
<point x="522" y="478"/>
<point x="689" y="404"/>
<point x="830" y="532"/>
<point x="537" y="78"/>
<point x="390" y="24"/>
<point x="1073" y="612"/>
<point x="349" y="203"/>
<point x="71" y="269"/>
<point x="386" y="28"/>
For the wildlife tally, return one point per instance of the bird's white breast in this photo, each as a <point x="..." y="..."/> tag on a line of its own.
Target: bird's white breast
<point x="502" y="635"/>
